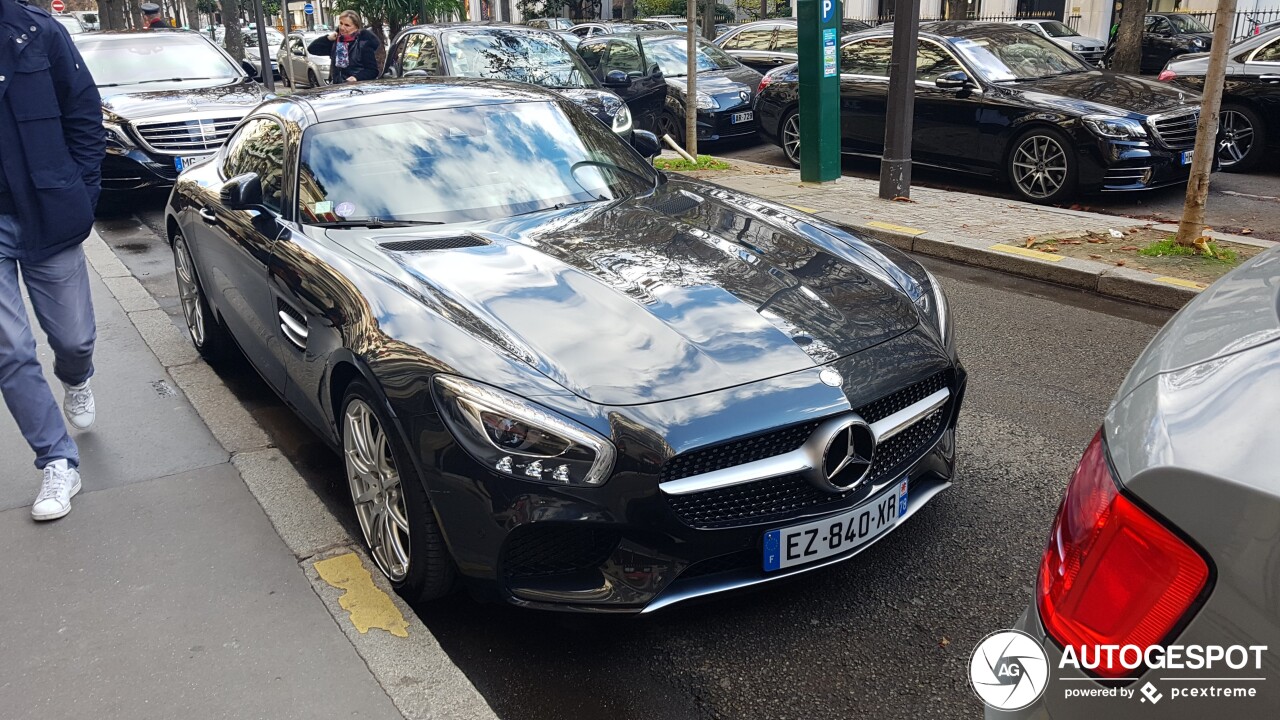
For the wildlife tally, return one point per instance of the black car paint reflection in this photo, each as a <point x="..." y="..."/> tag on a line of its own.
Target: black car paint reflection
<point x="671" y="318"/>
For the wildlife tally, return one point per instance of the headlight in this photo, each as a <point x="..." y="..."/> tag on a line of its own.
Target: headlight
<point x="1197" y="42"/>
<point x="706" y="102"/>
<point x="516" y="438"/>
<point x="1114" y="127"/>
<point x="1077" y="47"/>
<point x="116" y="137"/>
<point x="936" y="308"/>
<point x="622" y="120"/>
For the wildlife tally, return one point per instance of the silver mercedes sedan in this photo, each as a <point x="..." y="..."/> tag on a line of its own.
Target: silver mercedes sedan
<point x="1159" y="590"/>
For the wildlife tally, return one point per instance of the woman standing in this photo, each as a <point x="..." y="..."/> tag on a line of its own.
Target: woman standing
<point x="352" y="50"/>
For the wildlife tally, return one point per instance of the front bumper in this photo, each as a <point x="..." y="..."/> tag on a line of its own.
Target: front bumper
<point x="1118" y="166"/>
<point x="719" y="125"/>
<point x="135" y="169"/>
<point x="627" y="547"/>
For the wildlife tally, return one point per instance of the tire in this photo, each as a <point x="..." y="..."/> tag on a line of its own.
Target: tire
<point x="312" y="80"/>
<point x="1242" y="138"/>
<point x="284" y="79"/>
<point x="669" y="124"/>
<point x="207" y="333"/>
<point x="1041" y="166"/>
<point x="397" y="521"/>
<point x="790" y="125"/>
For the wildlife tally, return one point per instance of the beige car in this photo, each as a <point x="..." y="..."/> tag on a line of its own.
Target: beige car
<point x="299" y="68"/>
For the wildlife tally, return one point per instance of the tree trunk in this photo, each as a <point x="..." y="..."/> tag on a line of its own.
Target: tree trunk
<point x="1192" y="224"/>
<point x="233" y="41"/>
<point x="709" y="19"/>
<point x="1128" y="53"/>
<point x="691" y="76"/>
<point x="133" y="13"/>
<point x="193" y="14"/>
<point x="111" y="14"/>
<point x="764" y="9"/>
<point x="957" y="9"/>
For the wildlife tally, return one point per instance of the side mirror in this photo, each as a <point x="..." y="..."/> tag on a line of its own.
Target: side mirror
<point x="242" y="192"/>
<point x="646" y="143"/>
<point x="417" y="73"/>
<point x="617" y="78"/>
<point x="250" y="68"/>
<point x="655" y="70"/>
<point x="952" y="81"/>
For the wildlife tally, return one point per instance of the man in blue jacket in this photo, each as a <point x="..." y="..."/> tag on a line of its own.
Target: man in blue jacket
<point x="51" y="148"/>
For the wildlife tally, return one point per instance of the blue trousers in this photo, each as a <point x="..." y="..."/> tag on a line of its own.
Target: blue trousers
<point x="59" y="291"/>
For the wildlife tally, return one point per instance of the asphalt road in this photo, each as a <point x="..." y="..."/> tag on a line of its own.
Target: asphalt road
<point x="887" y="634"/>
<point x="1236" y="200"/>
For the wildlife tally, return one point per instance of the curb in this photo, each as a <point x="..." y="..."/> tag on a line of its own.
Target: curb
<point x="415" y="672"/>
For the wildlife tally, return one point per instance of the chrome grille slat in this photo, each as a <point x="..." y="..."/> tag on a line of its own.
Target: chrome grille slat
<point x="173" y="137"/>
<point x="1176" y="131"/>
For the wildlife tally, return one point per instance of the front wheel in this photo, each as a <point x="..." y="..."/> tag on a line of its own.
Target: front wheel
<point x="1041" y="166"/>
<point x="1242" y="138"/>
<point x="669" y="125"/>
<point x="789" y="136"/>
<point x="208" y="334"/>
<point x="312" y="80"/>
<point x="396" y="519"/>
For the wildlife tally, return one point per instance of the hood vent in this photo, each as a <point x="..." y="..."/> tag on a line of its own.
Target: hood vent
<point x="433" y="243"/>
<point x="676" y="204"/>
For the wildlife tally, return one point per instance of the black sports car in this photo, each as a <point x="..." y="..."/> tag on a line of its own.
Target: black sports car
<point x="169" y="100"/>
<point x="510" y="52"/>
<point x="553" y="371"/>
<point x="1249" y="121"/>
<point x="725" y="87"/>
<point x="1001" y="101"/>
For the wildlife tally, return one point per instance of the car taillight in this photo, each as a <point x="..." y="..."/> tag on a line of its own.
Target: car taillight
<point x="1112" y="574"/>
<point x="1166" y="75"/>
<point x="764" y="83"/>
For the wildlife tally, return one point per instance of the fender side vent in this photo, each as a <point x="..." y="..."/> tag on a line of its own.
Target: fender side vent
<point x="436" y="243"/>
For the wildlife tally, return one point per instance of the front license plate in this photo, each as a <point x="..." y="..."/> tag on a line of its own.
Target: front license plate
<point x="813" y="541"/>
<point x="1186" y="157"/>
<point x="182" y="163"/>
<point x="742" y="117"/>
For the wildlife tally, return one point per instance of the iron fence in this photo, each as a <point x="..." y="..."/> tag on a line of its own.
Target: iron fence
<point x="1244" y="23"/>
<point x="1039" y="15"/>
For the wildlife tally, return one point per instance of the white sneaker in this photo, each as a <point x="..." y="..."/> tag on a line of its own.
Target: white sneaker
<point x="61" y="483"/>
<point x="77" y="405"/>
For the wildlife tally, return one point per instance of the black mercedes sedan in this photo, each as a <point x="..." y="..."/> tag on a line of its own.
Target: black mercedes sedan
<point x="509" y="52"/>
<point x="1000" y="101"/>
<point x="169" y="100"/>
<point x="767" y="44"/>
<point x="551" y="371"/>
<point x="1249" y="121"/>
<point x="725" y="87"/>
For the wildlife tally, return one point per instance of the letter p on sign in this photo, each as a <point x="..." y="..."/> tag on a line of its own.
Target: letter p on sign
<point x="827" y="7"/>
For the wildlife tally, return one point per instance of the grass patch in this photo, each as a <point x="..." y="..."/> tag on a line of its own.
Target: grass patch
<point x="1169" y="247"/>
<point x="705" y="162"/>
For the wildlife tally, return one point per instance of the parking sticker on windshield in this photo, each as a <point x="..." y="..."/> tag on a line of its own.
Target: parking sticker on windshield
<point x="345" y="209"/>
<point x="324" y="207"/>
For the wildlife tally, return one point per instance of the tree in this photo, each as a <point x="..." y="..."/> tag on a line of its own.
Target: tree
<point x="540" y="8"/>
<point x="1127" y="57"/>
<point x="111" y="15"/>
<point x="233" y="41"/>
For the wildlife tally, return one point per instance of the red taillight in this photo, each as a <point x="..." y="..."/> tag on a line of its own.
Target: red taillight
<point x="1112" y="574"/>
<point x="1166" y="75"/>
<point x="764" y="83"/>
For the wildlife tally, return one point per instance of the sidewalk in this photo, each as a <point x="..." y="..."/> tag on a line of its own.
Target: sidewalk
<point x="971" y="229"/>
<point x="197" y="575"/>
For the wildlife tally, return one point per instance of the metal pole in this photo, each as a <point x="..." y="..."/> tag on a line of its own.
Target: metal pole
<point x="895" y="167"/>
<point x="264" y="55"/>
<point x="284" y="17"/>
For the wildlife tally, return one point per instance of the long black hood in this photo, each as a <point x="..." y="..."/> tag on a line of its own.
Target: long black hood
<point x="135" y="102"/>
<point x="1100" y="91"/>
<point x="657" y="298"/>
<point x="726" y="86"/>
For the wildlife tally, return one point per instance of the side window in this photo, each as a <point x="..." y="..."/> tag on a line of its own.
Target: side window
<point x="295" y="46"/>
<point x="787" y="40"/>
<point x="624" y="56"/>
<point x="259" y="148"/>
<point x="1269" y="53"/>
<point x="866" y="57"/>
<point x="933" y="61"/>
<point x="420" y="54"/>
<point x="592" y="52"/>
<point x="752" y="39"/>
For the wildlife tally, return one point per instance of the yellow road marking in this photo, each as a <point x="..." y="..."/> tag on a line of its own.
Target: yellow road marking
<point x="802" y="208"/>
<point x="897" y="228"/>
<point x="368" y="606"/>
<point x="1026" y="253"/>
<point x="1182" y="283"/>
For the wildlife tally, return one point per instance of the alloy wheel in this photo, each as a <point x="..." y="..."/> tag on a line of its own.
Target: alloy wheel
<point x="791" y="137"/>
<point x="1236" y="133"/>
<point x="376" y="490"/>
<point x="1039" y="166"/>
<point x="667" y="125"/>
<point x="188" y="290"/>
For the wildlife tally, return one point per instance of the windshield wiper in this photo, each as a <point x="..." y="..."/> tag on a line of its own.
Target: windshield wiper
<point x="177" y="79"/>
<point x="375" y="223"/>
<point x="561" y="206"/>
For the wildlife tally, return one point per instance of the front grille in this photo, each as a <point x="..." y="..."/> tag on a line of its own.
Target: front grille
<point x="552" y="549"/>
<point x="737" y="452"/>
<point x="428" y="244"/>
<point x="724" y="563"/>
<point x="187" y="137"/>
<point x="1176" y="131"/>
<point x="893" y="402"/>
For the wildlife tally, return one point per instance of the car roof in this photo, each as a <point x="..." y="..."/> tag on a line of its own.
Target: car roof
<point x="122" y="36"/>
<point x="389" y="97"/>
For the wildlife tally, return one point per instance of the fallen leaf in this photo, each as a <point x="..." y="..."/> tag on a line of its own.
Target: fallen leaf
<point x="1070" y="242"/>
<point x="1030" y="241"/>
<point x="902" y="199"/>
<point x="1075" y="206"/>
<point x="1096" y="257"/>
<point x="1129" y="247"/>
<point x="945" y="641"/>
<point x="1120" y="262"/>
<point x="1246" y="231"/>
<point x="1097" y="241"/>
<point x="1048" y="248"/>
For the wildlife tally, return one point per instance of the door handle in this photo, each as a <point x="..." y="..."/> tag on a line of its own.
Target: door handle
<point x="207" y="215"/>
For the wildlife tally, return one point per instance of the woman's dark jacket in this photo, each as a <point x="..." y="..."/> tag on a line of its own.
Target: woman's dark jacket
<point x="363" y="56"/>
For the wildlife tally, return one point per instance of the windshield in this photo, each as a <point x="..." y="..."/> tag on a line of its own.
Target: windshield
<point x="149" y="57"/>
<point x="274" y="38"/>
<point x="1057" y="29"/>
<point x="1187" y="24"/>
<point x="529" y="57"/>
<point x="72" y="25"/>
<point x="1014" y="55"/>
<point x="463" y="164"/>
<point x="671" y="55"/>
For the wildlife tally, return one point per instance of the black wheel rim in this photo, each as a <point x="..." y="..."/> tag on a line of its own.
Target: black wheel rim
<point x="791" y="138"/>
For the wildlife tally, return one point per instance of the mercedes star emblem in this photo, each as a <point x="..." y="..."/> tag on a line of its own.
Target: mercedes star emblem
<point x="829" y="376"/>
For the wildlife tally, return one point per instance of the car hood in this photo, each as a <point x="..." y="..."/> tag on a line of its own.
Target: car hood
<point x="1240" y="311"/>
<point x="725" y="86"/>
<point x="134" y="102"/>
<point x="657" y="298"/>
<point x="600" y="103"/>
<point x="1099" y="91"/>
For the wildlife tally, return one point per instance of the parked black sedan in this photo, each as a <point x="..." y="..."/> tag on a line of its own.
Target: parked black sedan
<point x="725" y="86"/>
<point x="1001" y="101"/>
<point x="508" y="52"/>
<point x="169" y="100"/>
<point x="1165" y="36"/>
<point x="766" y="44"/>
<point x="1249" y="121"/>
<point x="553" y="371"/>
